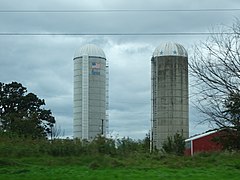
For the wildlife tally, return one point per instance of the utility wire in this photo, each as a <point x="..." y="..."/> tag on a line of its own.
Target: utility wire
<point x="115" y="34"/>
<point x="121" y="10"/>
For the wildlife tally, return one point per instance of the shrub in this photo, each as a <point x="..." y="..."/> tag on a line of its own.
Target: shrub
<point x="174" y="145"/>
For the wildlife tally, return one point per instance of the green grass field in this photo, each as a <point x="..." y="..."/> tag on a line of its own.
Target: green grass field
<point x="62" y="159"/>
<point x="205" y="166"/>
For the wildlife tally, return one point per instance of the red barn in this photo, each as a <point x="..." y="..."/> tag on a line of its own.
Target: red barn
<point x="202" y="143"/>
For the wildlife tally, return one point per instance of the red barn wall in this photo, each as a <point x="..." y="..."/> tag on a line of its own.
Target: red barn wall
<point x="202" y="144"/>
<point x="206" y="144"/>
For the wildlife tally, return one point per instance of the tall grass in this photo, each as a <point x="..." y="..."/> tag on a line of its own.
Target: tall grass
<point x="14" y="146"/>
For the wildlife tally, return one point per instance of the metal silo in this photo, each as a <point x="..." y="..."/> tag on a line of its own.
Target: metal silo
<point x="90" y="117"/>
<point x="169" y="92"/>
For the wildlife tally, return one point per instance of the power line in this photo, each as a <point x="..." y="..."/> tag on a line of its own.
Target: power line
<point x="116" y="34"/>
<point x="121" y="10"/>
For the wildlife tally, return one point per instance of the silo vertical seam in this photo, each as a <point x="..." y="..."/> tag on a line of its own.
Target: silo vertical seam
<point x="85" y="85"/>
<point x="152" y="102"/>
<point x="107" y="98"/>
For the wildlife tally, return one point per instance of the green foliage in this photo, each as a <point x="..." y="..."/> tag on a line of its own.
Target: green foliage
<point x="230" y="137"/>
<point x="11" y="145"/>
<point x="174" y="145"/>
<point x="21" y="112"/>
<point x="102" y="145"/>
<point x="16" y="146"/>
<point x="232" y="112"/>
<point x="145" y="143"/>
<point x="126" y="145"/>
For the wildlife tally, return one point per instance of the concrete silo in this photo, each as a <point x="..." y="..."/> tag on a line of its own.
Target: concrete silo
<point x="90" y="117"/>
<point x="169" y="93"/>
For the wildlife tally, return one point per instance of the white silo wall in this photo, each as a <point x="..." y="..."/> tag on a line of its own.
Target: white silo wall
<point x="89" y="93"/>
<point x="169" y="95"/>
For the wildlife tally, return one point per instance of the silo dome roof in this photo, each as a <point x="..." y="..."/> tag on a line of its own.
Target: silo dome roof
<point x="170" y="49"/>
<point x="90" y="50"/>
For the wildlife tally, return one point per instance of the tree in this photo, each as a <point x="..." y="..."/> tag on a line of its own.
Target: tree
<point x="146" y="143"/>
<point x="126" y="146"/>
<point x="103" y="145"/>
<point x="174" y="145"/>
<point x="230" y="139"/>
<point x="56" y="132"/>
<point x="215" y="67"/>
<point x="21" y="112"/>
<point x="232" y="112"/>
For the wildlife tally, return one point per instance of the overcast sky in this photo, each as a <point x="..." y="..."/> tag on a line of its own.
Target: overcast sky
<point x="44" y="63"/>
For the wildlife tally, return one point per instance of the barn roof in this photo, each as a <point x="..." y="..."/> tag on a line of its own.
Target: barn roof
<point x="209" y="132"/>
<point x="202" y="135"/>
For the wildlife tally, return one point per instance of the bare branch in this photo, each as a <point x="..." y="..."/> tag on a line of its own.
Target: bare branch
<point x="215" y="67"/>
